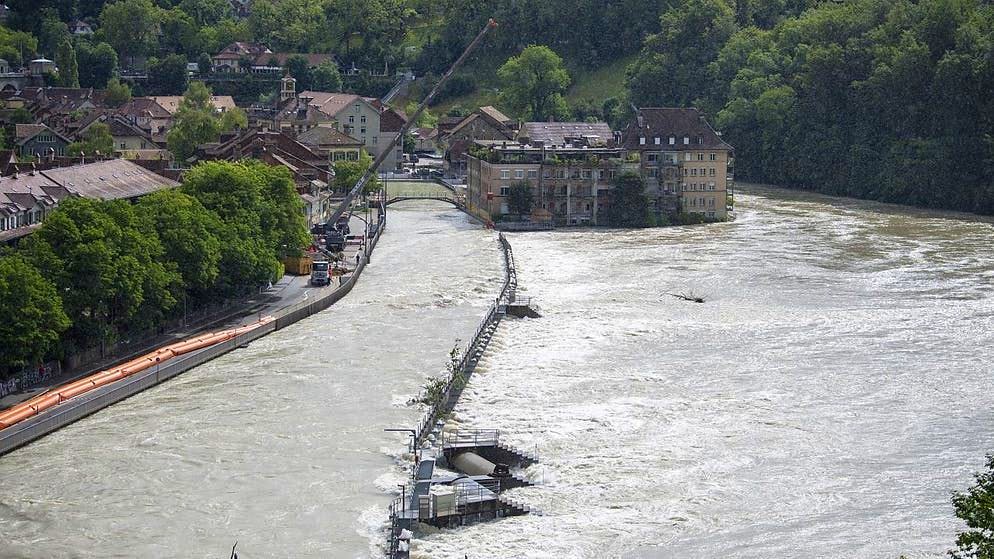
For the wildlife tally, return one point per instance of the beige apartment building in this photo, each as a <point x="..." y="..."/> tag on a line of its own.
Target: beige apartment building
<point x="685" y="163"/>
<point x="570" y="183"/>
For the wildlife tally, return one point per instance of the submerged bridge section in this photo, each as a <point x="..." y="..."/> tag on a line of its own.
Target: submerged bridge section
<point x="449" y="197"/>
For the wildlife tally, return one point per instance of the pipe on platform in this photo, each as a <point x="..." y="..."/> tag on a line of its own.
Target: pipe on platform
<point x="472" y="464"/>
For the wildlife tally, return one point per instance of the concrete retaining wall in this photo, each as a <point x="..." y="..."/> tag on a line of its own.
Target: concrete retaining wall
<point x="82" y="406"/>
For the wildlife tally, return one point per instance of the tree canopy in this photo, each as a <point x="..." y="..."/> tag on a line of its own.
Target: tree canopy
<point x="533" y="84"/>
<point x="34" y="318"/>
<point x="975" y="507"/>
<point x="96" y="139"/>
<point x="629" y="205"/>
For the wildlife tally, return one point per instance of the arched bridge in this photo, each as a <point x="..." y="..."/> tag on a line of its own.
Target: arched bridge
<point x="453" y="199"/>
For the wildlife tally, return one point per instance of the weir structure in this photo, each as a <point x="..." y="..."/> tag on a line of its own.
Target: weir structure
<point x="485" y="464"/>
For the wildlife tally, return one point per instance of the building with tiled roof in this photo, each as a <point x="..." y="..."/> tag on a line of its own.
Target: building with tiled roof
<point x="38" y="140"/>
<point x="353" y="115"/>
<point x="27" y="197"/>
<point x="566" y="133"/>
<point x="684" y="161"/>
<point x="171" y="103"/>
<point x="332" y="143"/>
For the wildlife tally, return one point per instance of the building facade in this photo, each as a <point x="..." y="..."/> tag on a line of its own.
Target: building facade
<point x="685" y="163"/>
<point x="570" y="184"/>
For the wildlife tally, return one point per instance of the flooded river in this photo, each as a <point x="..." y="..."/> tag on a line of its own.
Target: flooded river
<point x="824" y="401"/>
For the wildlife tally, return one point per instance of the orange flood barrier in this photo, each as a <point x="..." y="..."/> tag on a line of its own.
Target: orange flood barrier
<point x="54" y="397"/>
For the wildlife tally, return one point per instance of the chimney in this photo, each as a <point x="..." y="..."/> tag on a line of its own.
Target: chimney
<point x="31" y="173"/>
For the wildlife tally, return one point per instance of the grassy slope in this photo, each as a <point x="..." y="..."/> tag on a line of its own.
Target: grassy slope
<point x="595" y="85"/>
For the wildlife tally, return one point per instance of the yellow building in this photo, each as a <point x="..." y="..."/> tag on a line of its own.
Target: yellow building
<point x="686" y="165"/>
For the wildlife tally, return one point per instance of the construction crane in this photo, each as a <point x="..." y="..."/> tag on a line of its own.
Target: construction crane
<point x="350" y="197"/>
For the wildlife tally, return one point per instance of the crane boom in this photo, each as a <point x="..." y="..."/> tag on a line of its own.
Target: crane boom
<point x="410" y="122"/>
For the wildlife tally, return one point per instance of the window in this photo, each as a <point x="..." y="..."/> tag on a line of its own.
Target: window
<point x="124" y="145"/>
<point x="533" y="174"/>
<point x="586" y="173"/>
<point x="519" y="174"/>
<point x="641" y="141"/>
<point x="656" y="140"/>
<point x="362" y="119"/>
<point x="653" y="172"/>
<point x="351" y="119"/>
<point x="712" y="172"/>
<point x="693" y="172"/>
<point x="612" y="173"/>
<point x="672" y="140"/>
<point x="653" y="157"/>
<point x="358" y="107"/>
<point x="505" y="190"/>
<point x="686" y="171"/>
<point x="686" y="157"/>
<point x="700" y="157"/>
<point x="700" y="140"/>
<point x="711" y="202"/>
<point x="374" y="140"/>
<point x="713" y="156"/>
<point x="686" y="140"/>
<point x="710" y="186"/>
<point x="505" y="174"/>
<point x="362" y="130"/>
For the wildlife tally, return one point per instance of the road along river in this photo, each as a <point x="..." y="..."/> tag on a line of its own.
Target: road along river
<point x="824" y="401"/>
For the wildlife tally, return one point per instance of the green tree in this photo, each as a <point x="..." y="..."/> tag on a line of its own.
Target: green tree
<point x="109" y="270"/>
<point x="533" y="84"/>
<point x="118" y="93"/>
<point x="207" y="12"/>
<point x="976" y="509"/>
<point x="53" y="31"/>
<point x="670" y="69"/>
<point x="190" y="236"/>
<point x="194" y="124"/>
<point x="348" y="173"/>
<point x="233" y="119"/>
<point x="261" y="215"/>
<point x="34" y="315"/>
<point x="167" y="76"/>
<point x="97" y="64"/>
<point x="131" y="27"/>
<point x="17" y="47"/>
<point x="204" y="64"/>
<point x="326" y="77"/>
<point x="298" y="67"/>
<point x="96" y="139"/>
<point x="629" y="205"/>
<point x="179" y="34"/>
<point x="520" y="199"/>
<point x="20" y="115"/>
<point x="65" y="59"/>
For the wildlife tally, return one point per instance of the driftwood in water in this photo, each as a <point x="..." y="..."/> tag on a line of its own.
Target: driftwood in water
<point x="692" y="298"/>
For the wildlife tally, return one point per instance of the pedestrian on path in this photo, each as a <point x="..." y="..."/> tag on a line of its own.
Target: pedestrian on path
<point x="357" y="257"/>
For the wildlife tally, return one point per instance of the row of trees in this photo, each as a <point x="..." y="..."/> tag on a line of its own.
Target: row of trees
<point x="878" y="99"/>
<point x="98" y="271"/>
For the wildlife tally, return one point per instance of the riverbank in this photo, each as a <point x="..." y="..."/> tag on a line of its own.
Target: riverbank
<point x="294" y="302"/>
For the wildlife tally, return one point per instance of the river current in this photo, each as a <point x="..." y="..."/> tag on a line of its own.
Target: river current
<point x="824" y="401"/>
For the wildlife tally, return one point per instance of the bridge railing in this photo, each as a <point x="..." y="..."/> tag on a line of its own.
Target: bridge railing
<point x="467" y="363"/>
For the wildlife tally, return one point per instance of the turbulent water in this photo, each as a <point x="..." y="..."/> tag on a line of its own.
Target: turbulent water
<point x="279" y="446"/>
<point x="824" y="401"/>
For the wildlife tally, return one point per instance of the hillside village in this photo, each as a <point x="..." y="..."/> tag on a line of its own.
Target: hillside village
<point x="569" y="166"/>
